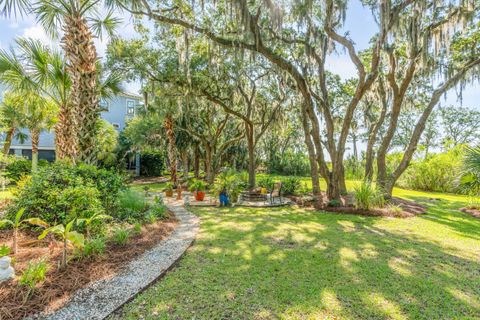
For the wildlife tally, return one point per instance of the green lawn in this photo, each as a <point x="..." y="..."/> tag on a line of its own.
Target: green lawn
<point x="297" y="264"/>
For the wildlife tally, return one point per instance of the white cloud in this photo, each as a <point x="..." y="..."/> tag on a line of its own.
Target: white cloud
<point x="342" y="65"/>
<point x="36" y="32"/>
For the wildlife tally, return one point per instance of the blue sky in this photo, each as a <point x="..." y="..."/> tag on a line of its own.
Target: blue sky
<point x="359" y="24"/>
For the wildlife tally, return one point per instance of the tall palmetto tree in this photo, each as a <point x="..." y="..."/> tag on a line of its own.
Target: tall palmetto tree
<point x="35" y="67"/>
<point x="11" y="120"/>
<point x="79" y="22"/>
<point x="35" y="113"/>
<point x="40" y="114"/>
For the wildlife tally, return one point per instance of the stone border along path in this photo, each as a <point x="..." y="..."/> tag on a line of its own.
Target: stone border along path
<point x="102" y="298"/>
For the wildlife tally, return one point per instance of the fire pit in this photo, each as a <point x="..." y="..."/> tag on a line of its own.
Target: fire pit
<point x="253" y="196"/>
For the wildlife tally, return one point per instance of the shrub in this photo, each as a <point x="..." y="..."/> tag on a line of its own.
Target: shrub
<point x="94" y="247"/>
<point x="439" y="172"/>
<point x="137" y="228"/>
<point x="33" y="274"/>
<point x="290" y="185"/>
<point x="158" y="211"/>
<point x="61" y="189"/>
<point x="153" y="163"/>
<point x="120" y="236"/>
<point x="368" y="197"/>
<point x="266" y="182"/>
<point x="132" y="205"/>
<point x="18" y="168"/>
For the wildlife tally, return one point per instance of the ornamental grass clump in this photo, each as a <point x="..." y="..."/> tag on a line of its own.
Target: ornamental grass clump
<point x="368" y="197"/>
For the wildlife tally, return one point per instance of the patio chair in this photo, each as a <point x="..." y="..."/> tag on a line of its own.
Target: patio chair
<point x="276" y="193"/>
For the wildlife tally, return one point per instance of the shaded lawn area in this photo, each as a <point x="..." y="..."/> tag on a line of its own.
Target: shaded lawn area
<point x="292" y="263"/>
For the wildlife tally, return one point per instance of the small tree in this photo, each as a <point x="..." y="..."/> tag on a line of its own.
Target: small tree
<point x="17" y="222"/>
<point x="68" y="236"/>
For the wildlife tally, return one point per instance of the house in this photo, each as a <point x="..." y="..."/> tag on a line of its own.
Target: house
<point x="117" y="110"/>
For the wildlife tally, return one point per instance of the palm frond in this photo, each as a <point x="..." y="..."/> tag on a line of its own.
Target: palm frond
<point x="105" y="26"/>
<point x="50" y="15"/>
<point x="14" y="7"/>
<point x="110" y="85"/>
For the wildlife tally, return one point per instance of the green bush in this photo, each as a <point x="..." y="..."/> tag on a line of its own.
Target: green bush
<point x="94" y="247"/>
<point x="368" y="197"/>
<point x="266" y="182"/>
<point x="59" y="192"/>
<point x="33" y="274"/>
<point x="290" y="185"/>
<point x="153" y="163"/>
<point x="158" y="211"/>
<point x="439" y="172"/>
<point x="132" y="205"/>
<point x="18" y="168"/>
<point x="120" y="236"/>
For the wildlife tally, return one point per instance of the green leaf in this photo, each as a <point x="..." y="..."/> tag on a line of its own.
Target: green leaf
<point x="69" y="226"/>
<point x="77" y="239"/>
<point x="37" y="222"/>
<point x="6" y="222"/>
<point x="19" y="215"/>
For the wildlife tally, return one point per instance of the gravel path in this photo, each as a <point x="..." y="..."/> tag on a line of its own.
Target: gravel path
<point x="101" y="298"/>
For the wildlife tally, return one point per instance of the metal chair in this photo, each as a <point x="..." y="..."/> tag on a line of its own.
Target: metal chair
<point x="276" y="193"/>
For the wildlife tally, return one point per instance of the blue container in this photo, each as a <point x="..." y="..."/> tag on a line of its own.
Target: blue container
<point x="223" y="199"/>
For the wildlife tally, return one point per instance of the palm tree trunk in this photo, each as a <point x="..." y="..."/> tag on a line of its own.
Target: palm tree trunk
<point x="172" y="149"/>
<point x="65" y="135"/>
<point x="35" y="135"/>
<point x="8" y="140"/>
<point x="82" y="57"/>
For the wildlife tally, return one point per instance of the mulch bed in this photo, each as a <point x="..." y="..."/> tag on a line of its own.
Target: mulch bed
<point x="60" y="285"/>
<point x="409" y="208"/>
<point x="474" y="212"/>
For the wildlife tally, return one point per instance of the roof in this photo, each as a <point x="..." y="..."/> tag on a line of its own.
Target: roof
<point x="130" y="95"/>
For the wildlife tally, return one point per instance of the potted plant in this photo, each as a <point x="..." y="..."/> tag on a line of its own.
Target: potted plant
<point x="168" y="189"/>
<point x="228" y="187"/>
<point x="198" y="188"/>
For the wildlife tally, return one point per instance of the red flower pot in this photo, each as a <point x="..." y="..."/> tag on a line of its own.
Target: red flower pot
<point x="199" y="195"/>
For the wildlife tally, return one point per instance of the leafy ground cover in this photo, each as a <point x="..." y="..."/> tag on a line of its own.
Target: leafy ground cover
<point x="293" y="263"/>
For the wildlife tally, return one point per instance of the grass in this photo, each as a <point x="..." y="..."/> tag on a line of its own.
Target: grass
<point x="291" y="263"/>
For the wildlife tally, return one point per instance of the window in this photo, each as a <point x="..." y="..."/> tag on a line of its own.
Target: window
<point x="131" y="107"/>
<point x="116" y="126"/>
<point x="104" y="106"/>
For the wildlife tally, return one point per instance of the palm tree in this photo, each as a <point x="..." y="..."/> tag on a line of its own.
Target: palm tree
<point x="10" y="120"/>
<point x="38" y="113"/>
<point x="78" y="21"/>
<point x="470" y="180"/>
<point x="35" y="67"/>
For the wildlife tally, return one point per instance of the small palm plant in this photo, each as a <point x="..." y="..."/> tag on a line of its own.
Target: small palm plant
<point x="470" y="180"/>
<point x="17" y="222"/>
<point x="94" y="218"/>
<point x="68" y="236"/>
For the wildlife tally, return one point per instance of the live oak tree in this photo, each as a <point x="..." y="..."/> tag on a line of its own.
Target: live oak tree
<point x="460" y="125"/>
<point x="297" y="37"/>
<point x="214" y="130"/>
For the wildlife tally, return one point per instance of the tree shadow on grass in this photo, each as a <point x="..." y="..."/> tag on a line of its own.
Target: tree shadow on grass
<point x="286" y="263"/>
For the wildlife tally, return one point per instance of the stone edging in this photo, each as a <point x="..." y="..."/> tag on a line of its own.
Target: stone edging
<point x="102" y="298"/>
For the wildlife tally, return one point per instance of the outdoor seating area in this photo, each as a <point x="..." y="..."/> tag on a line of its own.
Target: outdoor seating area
<point x="254" y="159"/>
